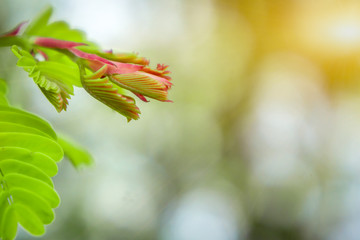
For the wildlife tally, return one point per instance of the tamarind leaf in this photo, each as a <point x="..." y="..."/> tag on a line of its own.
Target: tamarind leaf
<point x="37" y="159"/>
<point x="55" y="79"/>
<point x="77" y="155"/>
<point x="28" y="154"/>
<point x="3" y="90"/>
<point x="39" y="22"/>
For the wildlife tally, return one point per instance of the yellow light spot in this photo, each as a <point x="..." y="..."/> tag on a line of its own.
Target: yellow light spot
<point x="345" y="32"/>
<point x="330" y="33"/>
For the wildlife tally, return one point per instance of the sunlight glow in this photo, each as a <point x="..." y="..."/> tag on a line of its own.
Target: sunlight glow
<point x="345" y="32"/>
<point x="329" y="33"/>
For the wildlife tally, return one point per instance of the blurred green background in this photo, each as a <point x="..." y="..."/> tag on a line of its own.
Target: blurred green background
<point x="262" y="140"/>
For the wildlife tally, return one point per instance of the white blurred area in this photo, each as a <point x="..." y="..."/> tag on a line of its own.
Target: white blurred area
<point x="289" y="119"/>
<point x="169" y="175"/>
<point x="202" y="214"/>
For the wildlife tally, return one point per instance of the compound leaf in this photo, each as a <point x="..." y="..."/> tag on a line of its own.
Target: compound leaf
<point x="28" y="154"/>
<point x="55" y="79"/>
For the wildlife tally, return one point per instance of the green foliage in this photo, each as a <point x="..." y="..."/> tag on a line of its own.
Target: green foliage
<point x="59" y="58"/>
<point x="55" y="79"/>
<point x="39" y="22"/>
<point x="3" y="100"/>
<point x="28" y="154"/>
<point x="29" y="151"/>
<point x="59" y="29"/>
<point x="77" y="155"/>
<point x="29" y="146"/>
<point x="56" y="76"/>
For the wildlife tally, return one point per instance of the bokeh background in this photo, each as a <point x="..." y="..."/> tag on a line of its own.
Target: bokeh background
<point x="262" y="140"/>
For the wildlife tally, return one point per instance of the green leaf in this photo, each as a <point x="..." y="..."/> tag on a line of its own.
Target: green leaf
<point x="36" y="186"/>
<point x="3" y="90"/>
<point x="13" y="127"/>
<point x="3" y="100"/>
<point x="14" y="40"/>
<point x="68" y="74"/>
<point x="37" y="159"/>
<point x="61" y="30"/>
<point x="8" y="224"/>
<point x="55" y="79"/>
<point x="40" y="22"/>
<point x="28" y="155"/>
<point x="29" y="147"/>
<point x="56" y="94"/>
<point x="38" y="205"/>
<point x="28" y="219"/>
<point x="8" y="166"/>
<point x="26" y="120"/>
<point x="3" y="87"/>
<point x="77" y="155"/>
<point x="34" y="143"/>
<point x="15" y="213"/>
